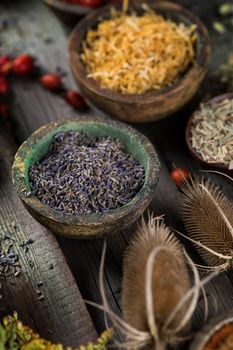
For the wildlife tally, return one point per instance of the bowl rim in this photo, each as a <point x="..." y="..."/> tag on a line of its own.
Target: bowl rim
<point x="69" y="8"/>
<point x="206" y="334"/>
<point x="217" y="165"/>
<point x="95" y="219"/>
<point x="202" y="59"/>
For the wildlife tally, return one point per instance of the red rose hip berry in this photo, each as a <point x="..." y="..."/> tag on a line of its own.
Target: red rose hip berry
<point x="88" y="3"/>
<point x="179" y="175"/>
<point x="51" y="82"/>
<point x="75" y="99"/>
<point x="6" y="64"/>
<point x="23" y="64"/>
<point x="4" y="86"/>
<point x="4" y="59"/>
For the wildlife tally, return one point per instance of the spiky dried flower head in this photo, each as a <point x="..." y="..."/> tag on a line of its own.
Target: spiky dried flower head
<point x="169" y="279"/>
<point x="158" y="301"/>
<point x="208" y="217"/>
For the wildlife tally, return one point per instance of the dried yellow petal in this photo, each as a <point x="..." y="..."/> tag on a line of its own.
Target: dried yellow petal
<point x="134" y="54"/>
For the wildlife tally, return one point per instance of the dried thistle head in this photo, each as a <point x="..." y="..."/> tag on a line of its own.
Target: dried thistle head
<point x="157" y="299"/>
<point x="169" y="281"/>
<point x="208" y="218"/>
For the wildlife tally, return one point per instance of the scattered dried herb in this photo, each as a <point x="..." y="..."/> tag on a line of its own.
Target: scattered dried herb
<point x="212" y="132"/>
<point x="9" y="258"/>
<point x="15" y="336"/>
<point x="25" y="245"/>
<point x="10" y="264"/>
<point x="84" y="175"/>
<point x="134" y="54"/>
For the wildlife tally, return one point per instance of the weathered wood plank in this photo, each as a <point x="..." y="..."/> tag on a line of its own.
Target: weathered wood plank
<point x="61" y="316"/>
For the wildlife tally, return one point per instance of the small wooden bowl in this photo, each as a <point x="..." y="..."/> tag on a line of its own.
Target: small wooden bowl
<point x="203" y="337"/>
<point x="91" y="225"/>
<point x="152" y="105"/>
<point x="218" y="166"/>
<point x="71" y="9"/>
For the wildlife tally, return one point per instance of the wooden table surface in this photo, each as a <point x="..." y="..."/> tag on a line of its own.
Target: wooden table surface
<point x="68" y="268"/>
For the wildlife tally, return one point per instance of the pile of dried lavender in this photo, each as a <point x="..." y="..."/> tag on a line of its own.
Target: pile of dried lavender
<point x="9" y="258"/>
<point x="84" y="175"/>
<point x="212" y="132"/>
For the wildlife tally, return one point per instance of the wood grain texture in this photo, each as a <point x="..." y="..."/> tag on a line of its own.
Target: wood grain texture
<point x="34" y="107"/>
<point x="61" y="316"/>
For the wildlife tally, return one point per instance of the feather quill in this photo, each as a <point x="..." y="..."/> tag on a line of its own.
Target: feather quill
<point x="208" y="217"/>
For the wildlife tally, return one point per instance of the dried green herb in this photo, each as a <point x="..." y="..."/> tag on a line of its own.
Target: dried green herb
<point x="212" y="132"/>
<point x="15" y="336"/>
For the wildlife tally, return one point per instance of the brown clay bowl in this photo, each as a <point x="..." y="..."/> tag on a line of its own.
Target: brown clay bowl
<point x="152" y="105"/>
<point x="217" y="166"/>
<point x="206" y="335"/>
<point x="91" y="225"/>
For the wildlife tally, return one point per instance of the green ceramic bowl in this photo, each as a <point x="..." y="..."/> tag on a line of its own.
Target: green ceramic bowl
<point x="90" y="225"/>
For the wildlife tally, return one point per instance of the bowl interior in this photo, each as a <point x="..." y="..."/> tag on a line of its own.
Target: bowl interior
<point x="40" y="148"/>
<point x="169" y="11"/>
<point x="188" y="133"/>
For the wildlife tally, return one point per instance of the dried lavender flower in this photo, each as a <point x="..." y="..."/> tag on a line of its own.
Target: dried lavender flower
<point x="9" y="258"/>
<point x="84" y="175"/>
